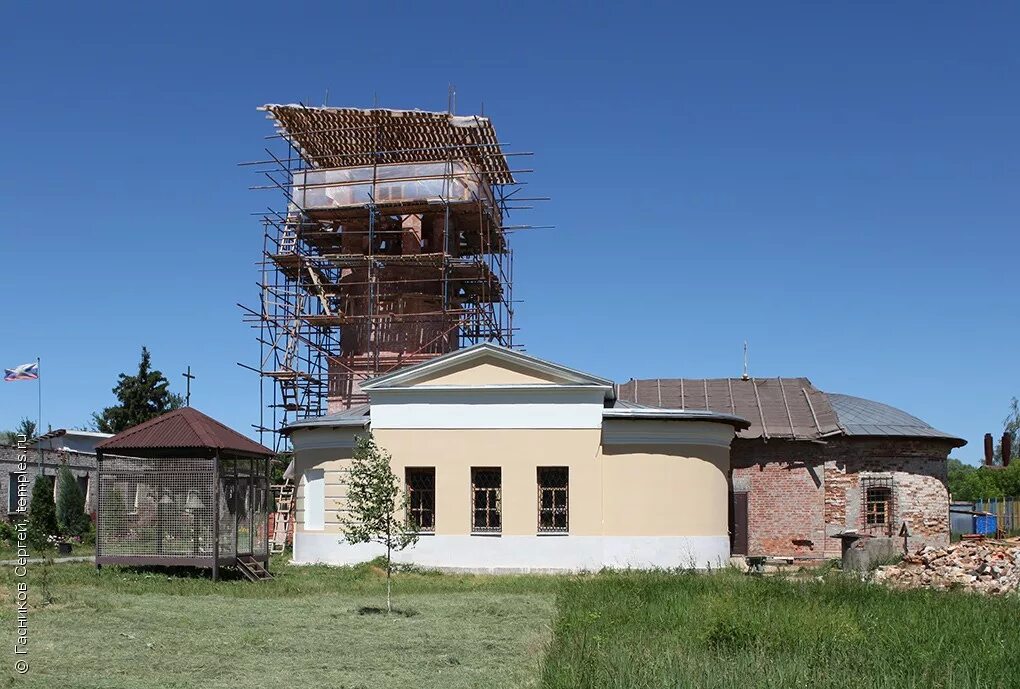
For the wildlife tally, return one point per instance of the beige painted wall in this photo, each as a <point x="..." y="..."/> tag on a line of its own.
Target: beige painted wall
<point x="654" y="490"/>
<point x="626" y="490"/>
<point x="486" y="373"/>
<point x="332" y="461"/>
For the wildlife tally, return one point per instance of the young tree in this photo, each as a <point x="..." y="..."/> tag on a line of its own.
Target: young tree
<point x="71" y="517"/>
<point x="376" y="507"/>
<point x="42" y="513"/>
<point x="142" y="397"/>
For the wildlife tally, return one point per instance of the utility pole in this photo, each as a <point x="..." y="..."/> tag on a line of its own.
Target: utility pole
<point x="187" y="395"/>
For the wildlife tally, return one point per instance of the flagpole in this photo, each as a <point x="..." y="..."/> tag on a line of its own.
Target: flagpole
<point x="38" y="430"/>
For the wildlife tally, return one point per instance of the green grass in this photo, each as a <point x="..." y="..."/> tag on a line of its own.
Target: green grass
<point x="139" y="629"/>
<point x="10" y="552"/>
<point x="657" y="630"/>
<point x="322" y="627"/>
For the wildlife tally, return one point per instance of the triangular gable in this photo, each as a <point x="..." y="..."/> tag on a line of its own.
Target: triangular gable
<point x="485" y="365"/>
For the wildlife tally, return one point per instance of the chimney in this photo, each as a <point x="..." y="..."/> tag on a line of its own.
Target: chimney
<point x="989" y="453"/>
<point x="1007" y="448"/>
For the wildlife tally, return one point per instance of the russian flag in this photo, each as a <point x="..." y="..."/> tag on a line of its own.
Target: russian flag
<point x="23" y="372"/>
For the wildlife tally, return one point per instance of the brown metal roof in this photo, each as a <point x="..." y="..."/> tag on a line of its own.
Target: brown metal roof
<point x="350" y="137"/>
<point x="184" y="429"/>
<point x="790" y="408"/>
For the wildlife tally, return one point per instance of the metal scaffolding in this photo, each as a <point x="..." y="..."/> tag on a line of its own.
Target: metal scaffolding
<point x="391" y="248"/>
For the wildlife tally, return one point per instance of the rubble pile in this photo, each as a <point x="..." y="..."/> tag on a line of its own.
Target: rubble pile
<point x="985" y="566"/>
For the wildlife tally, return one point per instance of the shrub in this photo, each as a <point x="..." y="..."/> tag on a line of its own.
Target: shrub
<point x="42" y="512"/>
<point x="7" y="533"/>
<point x="71" y="517"/>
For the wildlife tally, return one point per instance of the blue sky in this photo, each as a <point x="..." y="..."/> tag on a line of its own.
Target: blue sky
<point x="836" y="184"/>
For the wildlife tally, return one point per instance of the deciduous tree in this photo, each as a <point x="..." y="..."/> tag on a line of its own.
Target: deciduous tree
<point x="376" y="510"/>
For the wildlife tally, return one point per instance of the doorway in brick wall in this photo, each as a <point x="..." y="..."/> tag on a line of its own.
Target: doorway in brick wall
<point x="738" y="523"/>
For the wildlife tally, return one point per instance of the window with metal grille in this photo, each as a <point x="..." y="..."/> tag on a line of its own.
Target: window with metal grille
<point x="486" y="499"/>
<point x="878" y="503"/>
<point x="552" y="499"/>
<point x="421" y="497"/>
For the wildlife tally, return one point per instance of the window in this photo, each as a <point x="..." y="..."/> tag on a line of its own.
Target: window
<point x="12" y="494"/>
<point x="83" y="486"/>
<point x="421" y="498"/>
<point x="486" y="501"/>
<point x="878" y="503"/>
<point x="552" y="499"/>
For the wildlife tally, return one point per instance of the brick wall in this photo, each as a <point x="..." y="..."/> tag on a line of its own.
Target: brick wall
<point x="784" y="482"/>
<point x="800" y="494"/>
<point x="81" y="464"/>
<point x="918" y="473"/>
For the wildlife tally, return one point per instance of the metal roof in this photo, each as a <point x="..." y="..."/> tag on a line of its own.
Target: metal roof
<point x="355" y="417"/>
<point x="789" y="408"/>
<point x="652" y="414"/>
<point x="859" y="416"/>
<point x="350" y="137"/>
<point x="182" y="430"/>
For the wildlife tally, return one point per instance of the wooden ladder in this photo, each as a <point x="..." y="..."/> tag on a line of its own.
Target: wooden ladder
<point x="252" y="569"/>
<point x="288" y="240"/>
<point x="281" y="525"/>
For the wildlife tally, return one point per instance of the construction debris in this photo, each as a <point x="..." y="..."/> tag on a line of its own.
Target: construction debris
<point x="981" y="565"/>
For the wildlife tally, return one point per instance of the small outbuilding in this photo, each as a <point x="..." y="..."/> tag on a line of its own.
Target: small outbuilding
<point x="183" y="489"/>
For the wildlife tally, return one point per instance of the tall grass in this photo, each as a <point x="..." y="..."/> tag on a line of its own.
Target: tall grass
<point x="660" y="630"/>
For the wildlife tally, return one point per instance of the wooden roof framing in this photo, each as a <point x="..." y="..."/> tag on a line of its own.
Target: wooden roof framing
<point x="348" y="137"/>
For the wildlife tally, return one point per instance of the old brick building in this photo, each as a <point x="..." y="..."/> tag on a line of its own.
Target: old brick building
<point x="815" y="464"/>
<point x="81" y="464"/>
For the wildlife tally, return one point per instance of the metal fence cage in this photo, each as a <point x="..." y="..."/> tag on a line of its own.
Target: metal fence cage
<point x="199" y="511"/>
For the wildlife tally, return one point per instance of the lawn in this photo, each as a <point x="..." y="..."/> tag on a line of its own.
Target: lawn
<point x="139" y="629"/>
<point x="309" y="627"/>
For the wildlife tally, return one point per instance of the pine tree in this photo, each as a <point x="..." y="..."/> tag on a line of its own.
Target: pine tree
<point x="142" y="397"/>
<point x="71" y="517"/>
<point x="376" y="509"/>
<point x="42" y="512"/>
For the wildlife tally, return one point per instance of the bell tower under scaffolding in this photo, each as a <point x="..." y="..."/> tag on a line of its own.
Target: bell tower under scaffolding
<point x="389" y="247"/>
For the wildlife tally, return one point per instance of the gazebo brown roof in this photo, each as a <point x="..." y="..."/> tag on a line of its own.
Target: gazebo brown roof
<point x="182" y="432"/>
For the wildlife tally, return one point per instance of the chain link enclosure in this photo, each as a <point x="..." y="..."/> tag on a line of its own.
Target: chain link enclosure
<point x="195" y="511"/>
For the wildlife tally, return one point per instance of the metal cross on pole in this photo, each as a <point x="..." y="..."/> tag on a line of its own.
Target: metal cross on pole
<point x="187" y="395"/>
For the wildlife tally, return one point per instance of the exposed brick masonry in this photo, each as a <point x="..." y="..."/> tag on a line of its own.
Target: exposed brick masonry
<point x="802" y="493"/>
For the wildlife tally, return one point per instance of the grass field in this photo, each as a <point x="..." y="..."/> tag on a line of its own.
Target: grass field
<point x="137" y="629"/>
<point x="310" y="627"/>
<point x="656" y="630"/>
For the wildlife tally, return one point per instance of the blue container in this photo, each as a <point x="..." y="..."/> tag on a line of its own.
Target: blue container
<point x="986" y="524"/>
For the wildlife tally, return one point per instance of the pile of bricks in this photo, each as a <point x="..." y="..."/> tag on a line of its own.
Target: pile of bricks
<point x="985" y="566"/>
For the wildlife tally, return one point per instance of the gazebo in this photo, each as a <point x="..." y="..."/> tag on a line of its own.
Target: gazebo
<point x="183" y="489"/>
